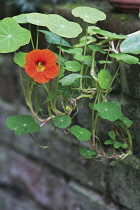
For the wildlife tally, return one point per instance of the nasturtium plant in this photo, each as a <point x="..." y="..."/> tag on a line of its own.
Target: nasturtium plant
<point x="56" y="80"/>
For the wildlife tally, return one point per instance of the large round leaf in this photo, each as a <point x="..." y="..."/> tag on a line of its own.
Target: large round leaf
<point x="88" y="14"/>
<point x="131" y="45"/>
<point x="22" y="124"/>
<point x="82" y="134"/>
<point x="37" y="19"/>
<point x="63" y="27"/>
<point x="108" y="110"/>
<point x="126" y="58"/>
<point x="12" y="35"/>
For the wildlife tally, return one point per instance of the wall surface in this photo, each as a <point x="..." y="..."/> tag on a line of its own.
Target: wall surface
<point x="32" y="178"/>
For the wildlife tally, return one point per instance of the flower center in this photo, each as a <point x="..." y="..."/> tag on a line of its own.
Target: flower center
<point x="40" y="66"/>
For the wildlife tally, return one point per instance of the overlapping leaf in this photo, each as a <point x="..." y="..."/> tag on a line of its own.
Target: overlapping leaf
<point x="54" y="38"/>
<point x="63" y="27"/>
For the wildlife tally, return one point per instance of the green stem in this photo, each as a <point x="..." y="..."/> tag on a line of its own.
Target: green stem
<point x="37" y="37"/>
<point x="82" y="67"/>
<point x="31" y="37"/>
<point x="44" y="147"/>
<point x="21" y="83"/>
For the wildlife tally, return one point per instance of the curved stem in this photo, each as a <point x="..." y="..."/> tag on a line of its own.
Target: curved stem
<point x="44" y="147"/>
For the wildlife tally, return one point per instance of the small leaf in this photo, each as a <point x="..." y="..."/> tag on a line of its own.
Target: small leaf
<point x="104" y="78"/>
<point x="19" y="58"/>
<point x="63" y="27"/>
<point x="108" y="142"/>
<point x="22" y="124"/>
<point x="126" y="58"/>
<point x="113" y="163"/>
<point x="97" y="48"/>
<point x="61" y="71"/>
<point x="62" y="121"/>
<point x="109" y="34"/>
<point x="108" y="110"/>
<point x="124" y="146"/>
<point x="131" y="44"/>
<point x="87" y="153"/>
<point x="73" y="66"/>
<point x="54" y="38"/>
<point x="12" y="35"/>
<point x="82" y="134"/>
<point x="37" y="18"/>
<point x="88" y="14"/>
<point x="126" y="121"/>
<point x="117" y="144"/>
<point x="68" y="80"/>
<point x="111" y="135"/>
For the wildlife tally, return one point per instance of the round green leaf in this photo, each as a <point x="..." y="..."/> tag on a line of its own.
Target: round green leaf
<point x="88" y="14"/>
<point x="22" y="18"/>
<point x="19" y="58"/>
<point x="54" y="38"/>
<point x="82" y="134"/>
<point x="73" y="66"/>
<point x="131" y="44"/>
<point x="22" y="124"/>
<point x="109" y="34"/>
<point x="126" y="58"/>
<point x="104" y="78"/>
<point x="97" y="48"/>
<point x="63" y="27"/>
<point x="12" y="35"/>
<point x="87" y="153"/>
<point x="62" y="121"/>
<point x="117" y="144"/>
<point x="37" y="19"/>
<point x="68" y="80"/>
<point x="108" y="110"/>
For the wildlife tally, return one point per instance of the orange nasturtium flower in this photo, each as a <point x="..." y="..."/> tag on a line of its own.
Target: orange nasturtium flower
<point x="41" y="65"/>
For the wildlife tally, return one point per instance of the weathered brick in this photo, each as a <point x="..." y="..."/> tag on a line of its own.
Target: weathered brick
<point x="80" y="198"/>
